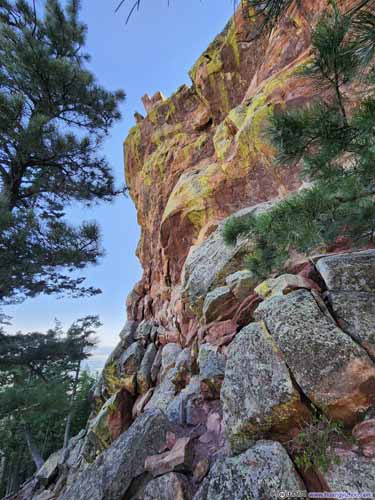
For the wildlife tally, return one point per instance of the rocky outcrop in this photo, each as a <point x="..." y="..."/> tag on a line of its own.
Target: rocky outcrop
<point x="200" y="155"/>
<point x="216" y="375"/>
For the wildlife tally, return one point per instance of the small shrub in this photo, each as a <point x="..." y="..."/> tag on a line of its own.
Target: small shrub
<point x="314" y="446"/>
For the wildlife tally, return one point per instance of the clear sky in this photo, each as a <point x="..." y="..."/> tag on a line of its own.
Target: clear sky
<point x="153" y="52"/>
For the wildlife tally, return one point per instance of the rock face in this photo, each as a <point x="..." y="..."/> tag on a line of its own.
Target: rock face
<point x="200" y="155"/>
<point x="350" y="280"/>
<point x="260" y="473"/>
<point x="211" y="363"/>
<point x="354" y="474"/>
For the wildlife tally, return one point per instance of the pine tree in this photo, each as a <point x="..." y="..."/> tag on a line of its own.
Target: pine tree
<point x="334" y="142"/>
<point x="53" y="119"/>
<point x="44" y="395"/>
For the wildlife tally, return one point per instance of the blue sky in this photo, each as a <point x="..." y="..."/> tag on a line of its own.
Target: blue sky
<point x="153" y="52"/>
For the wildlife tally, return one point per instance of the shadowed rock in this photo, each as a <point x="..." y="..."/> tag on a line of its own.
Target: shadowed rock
<point x="169" y="487"/>
<point x="110" y="476"/>
<point x="144" y="373"/>
<point x="355" y="313"/>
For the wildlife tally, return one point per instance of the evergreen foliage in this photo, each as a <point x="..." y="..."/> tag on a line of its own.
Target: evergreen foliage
<point x="53" y="119"/>
<point x="334" y="143"/>
<point x="42" y="388"/>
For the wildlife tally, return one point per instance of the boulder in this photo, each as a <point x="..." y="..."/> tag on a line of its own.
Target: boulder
<point x="184" y="368"/>
<point x="179" y="458"/>
<point x="110" y="379"/>
<point x="164" y="393"/>
<point x="211" y="371"/>
<point x="168" y="487"/>
<point x="169" y="356"/>
<point x="131" y="359"/>
<point x="178" y="407"/>
<point x="127" y="333"/>
<point x="75" y="448"/>
<point x="261" y="473"/>
<point x="334" y="372"/>
<point x="218" y="304"/>
<point x="208" y="264"/>
<point x="114" y="418"/>
<point x="156" y="365"/>
<point x="241" y="283"/>
<point x="355" y="313"/>
<point x="111" y="475"/>
<point x="348" y="272"/>
<point x="144" y="381"/>
<point x="258" y="395"/>
<point x="141" y="402"/>
<point x="352" y="474"/>
<point x="145" y="331"/>
<point x="49" y="469"/>
<point x="284" y="284"/>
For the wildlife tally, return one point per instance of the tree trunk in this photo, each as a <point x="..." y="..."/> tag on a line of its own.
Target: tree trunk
<point x="67" y="428"/>
<point x="2" y="469"/>
<point x="72" y="399"/>
<point x="34" y="452"/>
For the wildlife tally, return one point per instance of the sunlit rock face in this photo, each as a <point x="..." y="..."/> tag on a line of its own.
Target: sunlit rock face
<point x="202" y="154"/>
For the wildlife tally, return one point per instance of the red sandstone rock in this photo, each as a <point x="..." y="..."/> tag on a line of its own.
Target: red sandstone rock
<point x="119" y="420"/>
<point x="365" y="435"/>
<point x="141" y="402"/>
<point x="221" y="333"/>
<point x="199" y="156"/>
<point x="244" y="313"/>
<point x="179" y="458"/>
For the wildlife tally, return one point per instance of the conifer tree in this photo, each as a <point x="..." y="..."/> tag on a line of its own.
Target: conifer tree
<point x="53" y="118"/>
<point x="334" y="142"/>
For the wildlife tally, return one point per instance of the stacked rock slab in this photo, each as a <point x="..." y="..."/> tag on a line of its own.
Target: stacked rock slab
<point x="331" y="369"/>
<point x="351" y="294"/>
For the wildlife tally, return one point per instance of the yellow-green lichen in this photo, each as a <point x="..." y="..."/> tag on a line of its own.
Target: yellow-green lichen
<point x="111" y="379"/>
<point x="156" y="161"/>
<point x="251" y="140"/>
<point x="132" y="144"/>
<point x="162" y="112"/>
<point x="191" y="195"/>
<point x="227" y="130"/>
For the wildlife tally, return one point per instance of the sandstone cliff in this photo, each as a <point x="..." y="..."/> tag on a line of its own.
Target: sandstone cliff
<point x="215" y="375"/>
